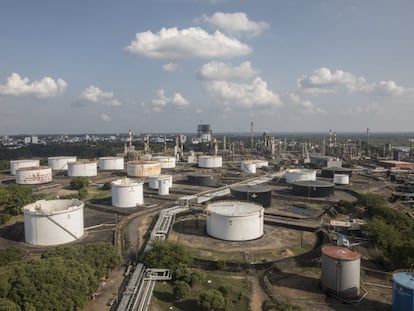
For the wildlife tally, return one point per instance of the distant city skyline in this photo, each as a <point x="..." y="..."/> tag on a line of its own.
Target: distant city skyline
<point x="165" y="66"/>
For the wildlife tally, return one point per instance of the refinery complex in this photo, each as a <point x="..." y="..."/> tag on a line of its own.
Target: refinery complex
<point x="267" y="207"/>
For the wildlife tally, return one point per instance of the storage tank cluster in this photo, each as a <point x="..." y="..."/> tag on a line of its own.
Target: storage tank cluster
<point x="293" y="175"/>
<point x="53" y="222"/>
<point x="313" y="188"/>
<point x="16" y="164"/>
<point x="165" y="161"/>
<point x="403" y="291"/>
<point x="127" y="192"/>
<point x="153" y="181"/>
<point x="82" y="168"/>
<point x="207" y="161"/>
<point x="60" y="163"/>
<point x="235" y="220"/>
<point x="207" y="180"/>
<point x="110" y="163"/>
<point x="340" y="273"/>
<point x="143" y="168"/>
<point x="33" y="175"/>
<point x="252" y="193"/>
<point x="329" y="172"/>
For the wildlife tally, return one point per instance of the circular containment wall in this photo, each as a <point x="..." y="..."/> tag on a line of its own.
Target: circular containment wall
<point x="297" y="174"/>
<point x="210" y="161"/>
<point x="16" y="164"/>
<point x="60" y="163"/>
<point x="234" y="220"/>
<point x="143" y="168"/>
<point x="255" y="193"/>
<point x="208" y="180"/>
<point x="127" y="192"/>
<point x="165" y="161"/>
<point x="403" y="291"/>
<point x="53" y="222"/>
<point x="82" y="168"/>
<point x="340" y="271"/>
<point x="329" y="172"/>
<point x="316" y="189"/>
<point x="33" y="175"/>
<point x="110" y="163"/>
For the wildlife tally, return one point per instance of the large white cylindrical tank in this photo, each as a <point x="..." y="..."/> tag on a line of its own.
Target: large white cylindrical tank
<point x="111" y="163"/>
<point x="164" y="186"/>
<point x="210" y="161"/>
<point x="235" y="220"/>
<point x="127" y="192"/>
<point x="165" y="161"/>
<point x="16" y="164"/>
<point x="146" y="157"/>
<point x="340" y="271"/>
<point x="248" y="167"/>
<point x="298" y="174"/>
<point x="60" y="163"/>
<point x="341" y="179"/>
<point x="143" y="168"/>
<point x="33" y="175"/>
<point x="53" y="222"/>
<point x="82" y="168"/>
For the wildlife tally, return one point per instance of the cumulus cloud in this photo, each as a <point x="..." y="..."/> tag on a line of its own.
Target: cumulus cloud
<point x="162" y="100"/>
<point x="193" y="42"/>
<point x="235" y="23"/>
<point x="105" y="117"/>
<point x="221" y="71"/>
<point x="45" y="87"/>
<point x="93" y="94"/>
<point x="323" y="80"/>
<point x="305" y="105"/>
<point x="170" y="67"/>
<point x="228" y="90"/>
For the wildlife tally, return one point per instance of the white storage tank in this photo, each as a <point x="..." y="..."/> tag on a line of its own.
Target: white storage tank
<point x="127" y="192"/>
<point x="60" y="163"/>
<point x="165" y="161"/>
<point x="146" y="157"/>
<point x="153" y="181"/>
<point x="53" y="222"/>
<point x="111" y="163"/>
<point x="16" y="164"/>
<point x="82" y="168"/>
<point x="143" y="168"/>
<point x="163" y="186"/>
<point x="340" y="271"/>
<point x="33" y="175"/>
<point x="248" y="167"/>
<point x="293" y="175"/>
<point x="341" y="179"/>
<point x="210" y="161"/>
<point x="235" y="220"/>
<point x="261" y="163"/>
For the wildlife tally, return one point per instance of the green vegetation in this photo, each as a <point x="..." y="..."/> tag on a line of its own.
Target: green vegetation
<point x="79" y="182"/>
<point x="62" y="279"/>
<point x="392" y="231"/>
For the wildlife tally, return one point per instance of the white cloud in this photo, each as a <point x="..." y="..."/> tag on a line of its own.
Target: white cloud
<point x="222" y="71"/>
<point x="305" y="105"/>
<point x="193" y="42"/>
<point x="323" y="80"/>
<point x="170" y="67"/>
<point x="235" y="23"/>
<point x="45" y="87"/>
<point x="93" y="94"/>
<point x="162" y="100"/>
<point x="105" y="117"/>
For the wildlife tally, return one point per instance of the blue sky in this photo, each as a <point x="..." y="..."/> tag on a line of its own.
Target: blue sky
<point x="166" y="65"/>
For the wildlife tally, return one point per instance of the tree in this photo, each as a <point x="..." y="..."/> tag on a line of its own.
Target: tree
<point x="18" y="196"/>
<point x="181" y="290"/>
<point x="79" y="182"/>
<point x="167" y="255"/>
<point x="8" y="305"/>
<point x="211" y="300"/>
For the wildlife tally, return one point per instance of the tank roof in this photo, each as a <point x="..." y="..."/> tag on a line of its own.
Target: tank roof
<point x="82" y="162"/>
<point x="144" y="162"/>
<point x="405" y="279"/>
<point x="51" y="207"/>
<point x="251" y="188"/>
<point x="314" y="183"/>
<point x="234" y="208"/>
<point x="339" y="252"/>
<point x="23" y="160"/>
<point x="127" y="182"/>
<point x="32" y="168"/>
